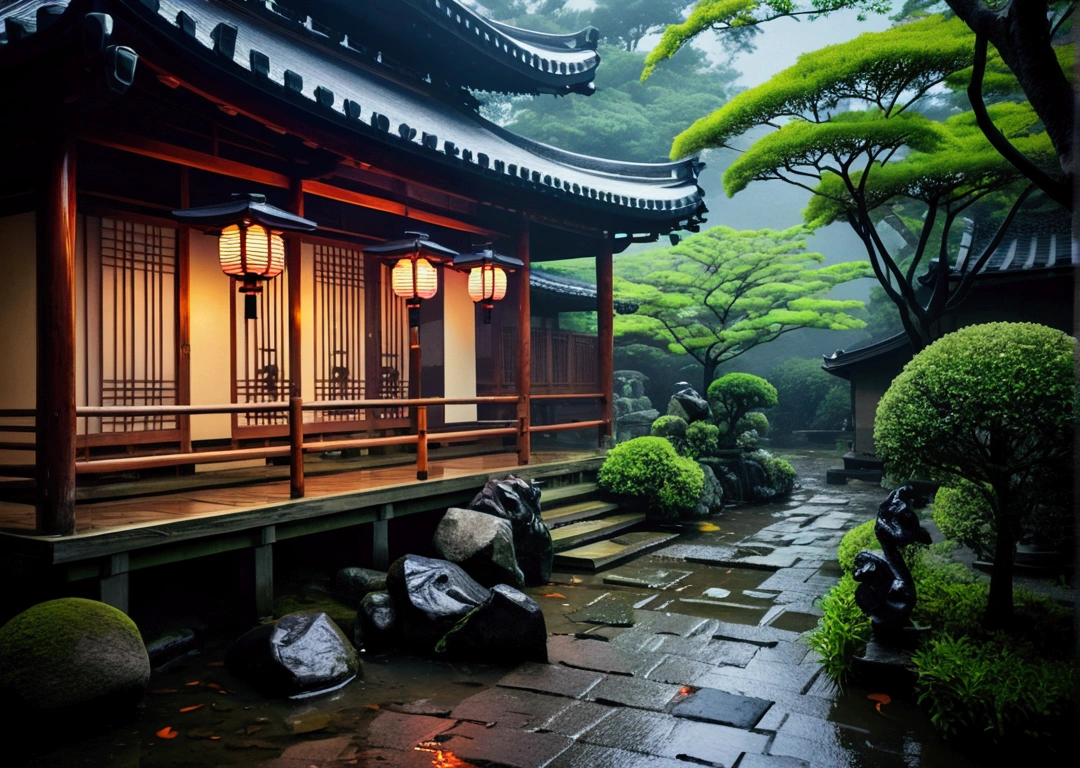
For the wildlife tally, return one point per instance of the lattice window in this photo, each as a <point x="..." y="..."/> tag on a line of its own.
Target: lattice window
<point x="136" y="338"/>
<point x="339" y="328"/>
<point x="261" y="364"/>
<point x="394" y="356"/>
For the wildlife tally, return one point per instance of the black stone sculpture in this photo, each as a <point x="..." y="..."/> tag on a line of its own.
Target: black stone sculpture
<point x="886" y="591"/>
<point x="518" y="501"/>
<point x="687" y="403"/>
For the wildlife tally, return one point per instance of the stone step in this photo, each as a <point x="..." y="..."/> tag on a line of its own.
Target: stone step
<point x="604" y="554"/>
<point x="576" y="534"/>
<point x="564" y="494"/>
<point x="572" y="513"/>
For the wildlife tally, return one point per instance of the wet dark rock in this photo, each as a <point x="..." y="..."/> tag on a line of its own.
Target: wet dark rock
<point x="715" y="706"/>
<point x="518" y="501"/>
<point x="72" y="654"/>
<point x="508" y="628"/>
<point x="630" y="384"/>
<point x="688" y="405"/>
<point x="376" y="623"/>
<point x="170" y="646"/>
<point x="301" y="654"/>
<point x="480" y="543"/>
<point x="351" y="584"/>
<point x="712" y="494"/>
<point x="637" y="424"/>
<point x="430" y="597"/>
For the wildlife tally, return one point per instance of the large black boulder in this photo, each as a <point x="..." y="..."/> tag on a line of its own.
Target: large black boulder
<point x="509" y="628"/>
<point x="688" y="404"/>
<point x="376" y="623"/>
<point x="430" y="596"/>
<point x="482" y="544"/>
<point x="518" y="501"/>
<point x="301" y="654"/>
<point x="352" y="584"/>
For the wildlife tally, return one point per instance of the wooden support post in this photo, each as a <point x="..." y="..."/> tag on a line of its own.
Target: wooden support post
<point x="524" y="348"/>
<point x="183" y="312"/>
<point x="264" y="572"/>
<point x="380" y="546"/>
<point x="113" y="583"/>
<point x="421" y="443"/>
<point x="296" y="352"/>
<point x="56" y="424"/>
<point x="605" y="331"/>
<point x="296" y="447"/>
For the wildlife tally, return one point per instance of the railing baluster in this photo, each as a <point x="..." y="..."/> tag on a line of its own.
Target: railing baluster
<point x="296" y="448"/>
<point x="421" y="443"/>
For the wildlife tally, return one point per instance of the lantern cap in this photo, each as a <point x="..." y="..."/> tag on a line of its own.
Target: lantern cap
<point x="250" y="207"/>
<point x="486" y="255"/>
<point x="416" y="244"/>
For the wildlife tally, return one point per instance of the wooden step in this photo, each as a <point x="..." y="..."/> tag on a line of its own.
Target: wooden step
<point x="604" y="554"/>
<point x="572" y="513"/>
<point x="576" y="534"/>
<point x="567" y="493"/>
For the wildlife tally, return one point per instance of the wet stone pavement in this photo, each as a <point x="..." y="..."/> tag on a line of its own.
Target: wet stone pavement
<point x="692" y="655"/>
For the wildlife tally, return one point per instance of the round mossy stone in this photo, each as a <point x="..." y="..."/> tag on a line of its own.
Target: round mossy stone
<point x="72" y="653"/>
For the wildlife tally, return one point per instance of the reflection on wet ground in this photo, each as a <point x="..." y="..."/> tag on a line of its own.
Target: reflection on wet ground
<point x="688" y="655"/>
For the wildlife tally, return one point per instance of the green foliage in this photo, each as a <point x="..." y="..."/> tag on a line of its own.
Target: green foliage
<point x="672" y="428"/>
<point x="808" y="397"/>
<point x="627" y="21"/>
<point x="702" y="439"/>
<point x="842" y="632"/>
<point x="756" y="421"/>
<point x="855" y="541"/>
<point x="779" y="473"/>
<point x="735" y="15"/>
<point x="734" y="395"/>
<point x="990" y="688"/>
<point x="648" y="469"/>
<point x="962" y="514"/>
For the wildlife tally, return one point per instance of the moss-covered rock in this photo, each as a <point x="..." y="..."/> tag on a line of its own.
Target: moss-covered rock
<point x="72" y="653"/>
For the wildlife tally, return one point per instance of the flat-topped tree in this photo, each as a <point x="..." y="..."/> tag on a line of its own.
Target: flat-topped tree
<point x="855" y="160"/>
<point x="722" y="292"/>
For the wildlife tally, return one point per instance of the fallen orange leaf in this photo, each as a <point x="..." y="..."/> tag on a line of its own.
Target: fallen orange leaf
<point x="192" y="708"/>
<point x="372" y="706"/>
<point x="215" y="686"/>
<point x="193" y="682"/>
<point x="167" y="733"/>
<point x="555" y="595"/>
<point x="216" y="664"/>
<point x="880" y="698"/>
<point x="215" y="738"/>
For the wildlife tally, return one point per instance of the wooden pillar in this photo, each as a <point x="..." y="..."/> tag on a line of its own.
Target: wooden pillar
<point x="296" y="352"/>
<point x="113" y="584"/>
<point x="421" y="443"/>
<point x="56" y="426"/>
<point x="380" y="546"/>
<point x="605" y="331"/>
<point x="296" y="448"/>
<point x="183" y="315"/>
<point x="524" y="347"/>
<point x="264" y="572"/>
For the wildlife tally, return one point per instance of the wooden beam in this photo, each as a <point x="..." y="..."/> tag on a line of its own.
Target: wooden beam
<point x="55" y="465"/>
<point x="524" y="346"/>
<point x="605" y="330"/>
<point x="183" y="312"/>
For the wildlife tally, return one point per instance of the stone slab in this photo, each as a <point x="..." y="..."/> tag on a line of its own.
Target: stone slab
<point x="661" y="623"/>
<point x="551" y="678"/>
<point x="392" y="730"/>
<point x="579" y="717"/>
<point x="594" y="756"/>
<point x="610" y="608"/>
<point x="772" y="761"/>
<point x="632" y="692"/>
<point x="645" y="576"/>
<point x="710" y="743"/>
<point x="504" y="747"/>
<point x="747" y="633"/>
<point x="678" y="670"/>
<point x="632" y="730"/>
<point x="511" y="708"/>
<point x="599" y="656"/>
<point x="713" y="706"/>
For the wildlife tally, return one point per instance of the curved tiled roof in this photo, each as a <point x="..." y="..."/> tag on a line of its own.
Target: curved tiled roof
<point x="328" y="77"/>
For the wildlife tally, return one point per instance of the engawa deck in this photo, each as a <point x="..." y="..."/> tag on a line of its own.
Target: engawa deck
<point x="114" y="538"/>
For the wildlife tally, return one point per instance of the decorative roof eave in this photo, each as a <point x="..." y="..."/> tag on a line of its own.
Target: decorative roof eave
<point x="583" y="295"/>
<point x="839" y="362"/>
<point x="520" y="60"/>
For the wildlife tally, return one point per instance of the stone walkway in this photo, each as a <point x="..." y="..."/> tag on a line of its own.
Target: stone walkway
<point x="670" y="689"/>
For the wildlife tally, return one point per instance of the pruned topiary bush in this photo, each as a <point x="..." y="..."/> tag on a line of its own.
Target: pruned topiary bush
<point x="649" y="470"/>
<point x="735" y="395"/>
<point x="855" y="541"/>
<point x="702" y="440"/>
<point x="962" y="514"/>
<point x="673" y="428"/>
<point x="779" y="473"/>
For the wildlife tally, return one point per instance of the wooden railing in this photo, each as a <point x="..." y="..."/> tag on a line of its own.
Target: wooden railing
<point x="294" y="411"/>
<point x="561" y="361"/>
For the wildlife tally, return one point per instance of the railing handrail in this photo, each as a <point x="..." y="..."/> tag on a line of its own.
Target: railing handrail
<point x="18" y="413"/>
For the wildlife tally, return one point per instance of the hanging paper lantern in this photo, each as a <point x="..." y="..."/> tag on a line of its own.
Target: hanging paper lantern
<point x="487" y="283"/>
<point x="251" y="253"/>
<point x="414" y="279"/>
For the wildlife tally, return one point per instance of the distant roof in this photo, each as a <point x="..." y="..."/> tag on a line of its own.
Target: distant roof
<point x="838" y="362"/>
<point x="251" y="47"/>
<point x="571" y="295"/>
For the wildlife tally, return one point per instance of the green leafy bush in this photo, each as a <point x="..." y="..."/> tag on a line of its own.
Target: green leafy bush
<point x="702" y="439"/>
<point x="962" y="514"/>
<point x="855" y="541"/>
<point x="648" y="469"/>
<point x="733" y="396"/>
<point x="992" y="687"/>
<point x="842" y="632"/>
<point x="781" y="475"/>
<point x="755" y="420"/>
<point x="808" y="398"/>
<point x="673" y="428"/>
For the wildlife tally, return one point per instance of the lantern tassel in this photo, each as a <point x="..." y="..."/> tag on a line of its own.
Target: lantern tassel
<point x="251" y="306"/>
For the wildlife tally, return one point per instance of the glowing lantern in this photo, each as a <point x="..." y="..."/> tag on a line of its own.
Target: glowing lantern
<point x="487" y="276"/>
<point x="414" y="279"/>
<point x="250" y="246"/>
<point x="414" y="276"/>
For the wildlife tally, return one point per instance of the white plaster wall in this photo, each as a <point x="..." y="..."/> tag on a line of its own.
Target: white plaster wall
<point x="459" y="345"/>
<point x="210" y="364"/>
<point x="307" y="324"/>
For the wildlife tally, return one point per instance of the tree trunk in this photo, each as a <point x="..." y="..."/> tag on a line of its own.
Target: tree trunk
<point x="1000" y="605"/>
<point x="710" y="374"/>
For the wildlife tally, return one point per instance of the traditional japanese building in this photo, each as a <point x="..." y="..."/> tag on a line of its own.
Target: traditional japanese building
<point x="127" y="354"/>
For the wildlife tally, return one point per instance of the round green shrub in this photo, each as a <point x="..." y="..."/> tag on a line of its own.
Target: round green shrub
<point x="755" y="420"/>
<point x="962" y="514"/>
<point x="736" y="394"/>
<point x="673" y="428"/>
<point x="702" y="439"/>
<point x="779" y="473"/>
<point x="834" y="410"/>
<point x="801" y="388"/>
<point x="855" y="541"/>
<point x="648" y="469"/>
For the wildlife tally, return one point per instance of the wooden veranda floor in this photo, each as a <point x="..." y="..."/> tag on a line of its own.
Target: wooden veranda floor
<point x="106" y="516"/>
